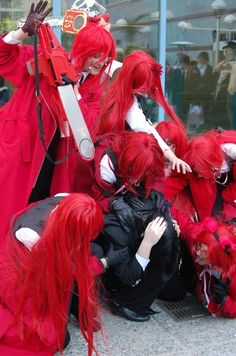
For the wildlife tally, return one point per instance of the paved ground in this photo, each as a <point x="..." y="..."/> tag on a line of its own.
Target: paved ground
<point x="161" y="336"/>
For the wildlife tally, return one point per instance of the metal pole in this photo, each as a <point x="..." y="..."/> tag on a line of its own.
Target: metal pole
<point x="162" y="49"/>
<point x="57" y="13"/>
<point x="217" y="39"/>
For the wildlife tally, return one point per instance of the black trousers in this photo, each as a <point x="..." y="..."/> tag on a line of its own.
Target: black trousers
<point x="140" y="297"/>
<point x="160" y="275"/>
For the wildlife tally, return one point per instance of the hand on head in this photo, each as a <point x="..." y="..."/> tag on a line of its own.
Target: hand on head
<point x="176" y="163"/>
<point x="155" y="230"/>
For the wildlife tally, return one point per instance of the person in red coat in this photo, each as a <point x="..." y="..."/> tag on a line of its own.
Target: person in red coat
<point x="38" y="271"/>
<point x="26" y="175"/>
<point x="211" y="185"/>
<point x="124" y="161"/>
<point x="123" y="105"/>
<point x="212" y="245"/>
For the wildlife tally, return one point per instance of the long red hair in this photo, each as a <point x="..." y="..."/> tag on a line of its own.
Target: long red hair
<point x="43" y="278"/>
<point x="140" y="73"/>
<point x="220" y="239"/>
<point x="139" y="159"/>
<point x="222" y="136"/>
<point x="204" y="155"/>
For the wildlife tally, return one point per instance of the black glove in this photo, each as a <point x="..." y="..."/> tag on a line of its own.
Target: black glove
<point x="36" y="13"/>
<point x="140" y="204"/>
<point x="114" y="257"/>
<point x="219" y="290"/>
<point x="123" y="212"/>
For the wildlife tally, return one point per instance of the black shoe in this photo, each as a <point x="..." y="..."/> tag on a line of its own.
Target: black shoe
<point x="128" y="313"/>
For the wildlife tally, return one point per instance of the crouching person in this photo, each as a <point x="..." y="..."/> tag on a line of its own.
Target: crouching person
<point x="47" y="251"/>
<point x="151" y="268"/>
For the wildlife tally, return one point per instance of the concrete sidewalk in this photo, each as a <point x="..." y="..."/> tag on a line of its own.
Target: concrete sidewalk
<point x="162" y="335"/>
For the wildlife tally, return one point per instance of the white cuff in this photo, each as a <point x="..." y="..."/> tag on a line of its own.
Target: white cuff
<point x="142" y="261"/>
<point x="9" y="38"/>
<point x="27" y="236"/>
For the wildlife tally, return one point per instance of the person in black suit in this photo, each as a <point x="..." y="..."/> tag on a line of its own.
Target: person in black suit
<point x="208" y="81"/>
<point x="185" y="87"/>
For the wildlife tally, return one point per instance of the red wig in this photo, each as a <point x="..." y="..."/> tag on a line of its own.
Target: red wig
<point x="223" y="136"/>
<point x="92" y="40"/>
<point x="173" y="133"/>
<point x="220" y="239"/>
<point x="139" y="159"/>
<point x="44" y="277"/>
<point x="140" y="73"/>
<point x="204" y="155"/>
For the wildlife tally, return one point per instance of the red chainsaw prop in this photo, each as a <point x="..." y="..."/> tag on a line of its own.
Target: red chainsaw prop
<point x="53" y="60"/>
<point x="53" y="63"/>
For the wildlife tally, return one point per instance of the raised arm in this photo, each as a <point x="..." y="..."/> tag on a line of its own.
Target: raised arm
<point x="137" y="122"/>
<point x="13" y="58"/>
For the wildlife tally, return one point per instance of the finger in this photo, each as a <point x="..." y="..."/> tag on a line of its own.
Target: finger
<point x="183" y="168"/>
<point x="47" y="12"/>
<point x="173" y="166"/>
<point x="161" y="227"/>
<point x="158" y="221"/>
<point x="43" y="7"/>
<point x="178" y="167"/>
<point x="32" y="7"/>
<point x="152" y="224"/>
<point x="188" y="168"/>
<point x="38" y="6"/>
<point x="158" y="218"/>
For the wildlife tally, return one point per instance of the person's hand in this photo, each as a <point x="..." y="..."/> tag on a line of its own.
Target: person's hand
<point x="219" y="290"/>
<point x="176" y="227"/>
<point x="114" y="257"/>
<point x="221" y="65"/>
<point x="201" y="254"/>
<point x="36" y="13"/>
<point x="154" y="231"/>
<point x="123" y="212"/>
<point x="176" y="163"/>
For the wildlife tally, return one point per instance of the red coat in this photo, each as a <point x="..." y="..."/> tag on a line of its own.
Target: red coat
<point x="10" y="342"/>
<point x="203" y="191"/>
<point x="21" y="150"/>
<point x="189" y="231"/>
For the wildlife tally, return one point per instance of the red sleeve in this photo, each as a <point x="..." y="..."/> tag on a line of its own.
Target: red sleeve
<point x="95" y="265"/>
<point x="13" y="59"/>
<point x="103" y="201"/>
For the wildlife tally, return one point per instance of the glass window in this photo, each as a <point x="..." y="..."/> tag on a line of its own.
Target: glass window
<point x="201" y="71"/>
<point x="135" y="26"/>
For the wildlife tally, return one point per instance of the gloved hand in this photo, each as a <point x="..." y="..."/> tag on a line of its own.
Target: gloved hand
<point x="35" y="13"/>
<point x="123" y="212"/>
<point x="140" y="204"/>
<point x="219" y="290"/>
<point x="114" y="257"/>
